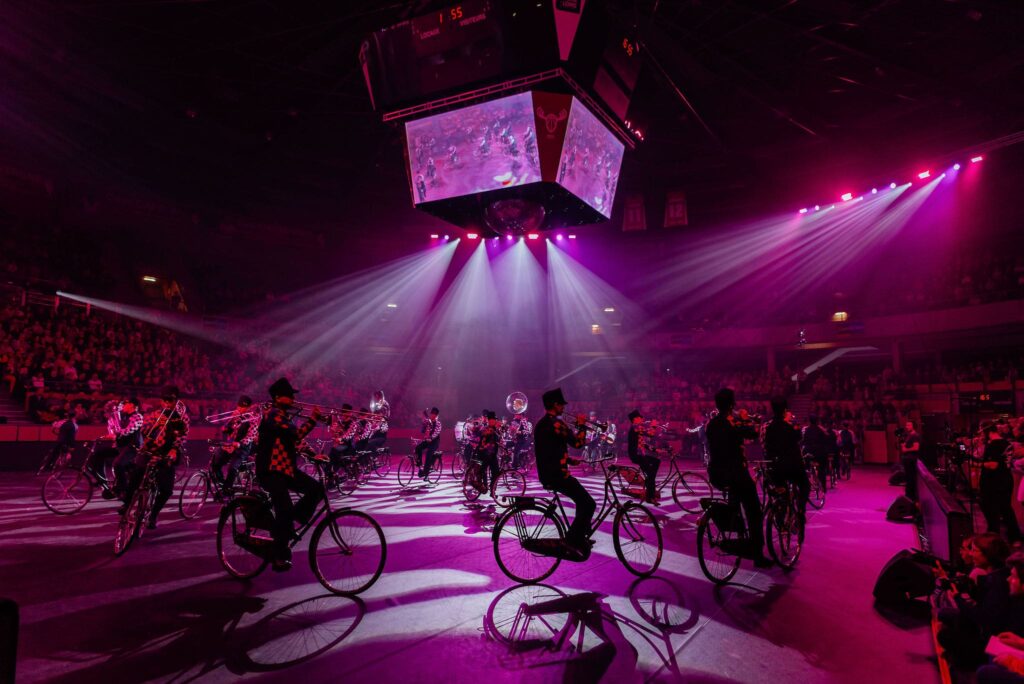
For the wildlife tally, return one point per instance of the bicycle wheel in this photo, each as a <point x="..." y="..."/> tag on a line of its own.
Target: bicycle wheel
<point x="347" y="552"/>
<point x="845" y="469"/>
<point x="194" y="494"/>
<point x="131" y="520"/>
<point x="528" y="543"/>
<point x="435" y="472"/>
<point x="717" y="563"/>
<point x="66" y="492"/>
<point x="184" y="465"/>
<point x="508" y="484"/>
<point x="688" y="489"/>
<point x="241" y="547"/>
<point x="347" y="477"/>
<point x="782" y="529"/>
<point x="637" y="539"/>
<point x="458" y="465"/>
<point x="817" y="496"/>
<point x="469" y="479"/>
<point x="382" y="464"/>
<point x="407" y="472"/>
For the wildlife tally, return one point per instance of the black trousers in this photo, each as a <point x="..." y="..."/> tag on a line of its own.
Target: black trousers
<point x="797" y="476"/>
<point x="425" y="454"/>
<point x="230" y="459"/>
<point x="489" y="459"/>
<point x="822" y="461"/>
<point x="164" y="482"/>
<point x="743" y="491"/>
<point x="996" y="494"/>
<point x="123" y="465"/>
<point x="279" y="486"/>
<point x="339" y="452"/>
<point x="649" y="467"/>
<point x="585" y="507"/>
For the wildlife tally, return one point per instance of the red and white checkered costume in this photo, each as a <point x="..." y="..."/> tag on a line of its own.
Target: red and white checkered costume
<point x="278" y="441"/>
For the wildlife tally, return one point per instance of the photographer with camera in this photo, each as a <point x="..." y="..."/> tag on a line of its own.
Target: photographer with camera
<point x="910" y="445"/>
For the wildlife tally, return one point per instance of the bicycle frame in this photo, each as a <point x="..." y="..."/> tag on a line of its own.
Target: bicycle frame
<point x="555" y="506"/>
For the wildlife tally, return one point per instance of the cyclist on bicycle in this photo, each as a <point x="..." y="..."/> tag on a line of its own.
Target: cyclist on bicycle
<point x="487" y="449"/>
<point x="126" y="426"/>
<point x="429" y="443"/>
<point x="241" y="432"/>
<point x="847" y="444"/>
<point x="279" y="474"/>
<point x="66" y="430"/>
<point x="782" y="451"/>
<point x="552" y="438"/>
<point x="727" y="467"/>
<point x="637" y="443"/>
<point x="820" y="446"/>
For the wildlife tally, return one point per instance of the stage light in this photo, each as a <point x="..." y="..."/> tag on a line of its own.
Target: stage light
<point x="803" y="211"/>
<point x="558" y="237"/>
<point x="445" y="237"/>
<point x="942" y="176"/>
<point x="434" y="236"/>
<point x="817" y="207"/>
<point x="392" y="306"/>
<point x="975" y="160"/>
<point x="472" y="236"/>
<point x="495" y="239"/>
<point x="956" y="167"/>
<point x="572" y="237"/>
<point x="149" y="279"/>
<point x="840" y="316"/>
<point x="533" y="236"/>
<point x="924" y="174"/>
<point x="595" y="329"/>
<point x="892" y="186"/>
<point x="508" y="237"/>
<point x="874" y="191"/>
<point x="609" y="309"/>
<point x="847" y="196"/>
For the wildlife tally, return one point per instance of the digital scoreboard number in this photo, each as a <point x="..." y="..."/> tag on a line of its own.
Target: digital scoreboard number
<point x="450" y="19"/>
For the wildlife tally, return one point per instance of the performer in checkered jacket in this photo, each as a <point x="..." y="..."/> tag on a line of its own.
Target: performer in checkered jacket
<point x="430" y="441"/>
<point x="278" y="472"/>
<point x="240" y="436"/>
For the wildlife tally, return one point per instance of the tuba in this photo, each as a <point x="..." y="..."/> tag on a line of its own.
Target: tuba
<point x="516" y="403"/>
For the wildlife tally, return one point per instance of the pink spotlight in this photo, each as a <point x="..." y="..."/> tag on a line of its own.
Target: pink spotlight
<point x="445" y="237"/>
<point x="472" y="236"/>
<point x="874" y="191"/>
<point x="434" y="236"/>
<point x="892" y="186"/>
<point x="847" y="196"/>
<point x="924" y="174"/>
<point x="533" y="236"/>
<point x="508" y="237"/>
<point x="558" y="237"/>
<point x="572" y="237"/>
<point x="803" y="211"/>
<point x="975" y="160"/>
<point x="956" y="167"/>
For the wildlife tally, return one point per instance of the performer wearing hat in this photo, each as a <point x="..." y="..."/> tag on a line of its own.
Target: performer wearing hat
<point x="125" y="426"/>
<point x="552" y="438"/>
<point x="344" y="429"/>
<point x="240" y="432"/>
<point x="782" y="451"/>
<point x="520" y="430"/>
<point x="163" y="431"/>
<point x="278" y="472"/>
<point x="487" y="447"/>
<point x="727" y="467"/>
<point x="430" y="443"/>
<point x="637" y="447"/>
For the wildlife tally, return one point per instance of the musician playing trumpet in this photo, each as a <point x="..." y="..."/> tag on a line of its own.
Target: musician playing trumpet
<point x="344" y="430"/>
<point x="240" y="436"/>
<point x="163" y="431"/>
<point x="278" y="472"/>
<point x="430" y="442"/>
<point x="639" y="448"/>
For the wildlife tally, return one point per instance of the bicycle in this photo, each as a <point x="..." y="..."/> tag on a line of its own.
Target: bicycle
<point x="508" y="484"/>
<point x="722" y="538"/>
<point x="529" y="537"/>
<point x="408" y="469"/>
<point x="68" y="490"/>
<point x="54" y="460"/>
<point x="688" y="486"/>
<point x="133" y="520"/>
<point x="346" y="553"/>
<point x="200" y="484"/>
<point x="844" y="465"/>
<point x="594" y="454"/>
<point x="817" y="495"/>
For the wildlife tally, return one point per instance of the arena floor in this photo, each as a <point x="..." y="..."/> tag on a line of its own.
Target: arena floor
<point x="166" y="611"/>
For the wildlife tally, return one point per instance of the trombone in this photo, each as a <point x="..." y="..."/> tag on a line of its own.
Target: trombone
<point x="250" y="416"/>
<point x="303" y="406"/>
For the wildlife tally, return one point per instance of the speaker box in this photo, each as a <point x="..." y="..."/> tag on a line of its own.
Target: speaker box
<point x="8" y="640"/>
<point x="908" y="575"/>
<point x="902" y="509"/>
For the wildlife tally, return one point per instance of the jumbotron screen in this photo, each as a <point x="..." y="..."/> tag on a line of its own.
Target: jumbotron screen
<point x="484" y="147"/>
<point x="591" y="159"/>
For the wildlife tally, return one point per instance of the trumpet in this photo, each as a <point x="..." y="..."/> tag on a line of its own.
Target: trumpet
<point x="594" y="425"/>
<point x="250" y="416"/>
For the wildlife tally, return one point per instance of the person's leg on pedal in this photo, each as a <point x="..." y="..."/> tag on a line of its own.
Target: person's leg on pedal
<point x="579" y="530"/>
<point x="276" y="486"/>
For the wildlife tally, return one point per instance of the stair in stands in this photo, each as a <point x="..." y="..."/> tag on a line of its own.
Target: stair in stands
<point x="12" y="411"/>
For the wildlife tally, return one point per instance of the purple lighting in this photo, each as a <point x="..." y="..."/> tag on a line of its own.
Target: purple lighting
<point x="803" y="211"/>
<point x="892" y="186"/>
<point x="847" y="196"/>
<point x="434" y="236"/>
<point x="975" y="160"/>
<point x="558" y="237"/>
<point x="956" y="167"/>
<point x="924" y="174"/>
<point x="572" y="237"/>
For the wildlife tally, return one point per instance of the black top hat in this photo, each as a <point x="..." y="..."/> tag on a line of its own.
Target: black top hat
<point x="346" y="407"/>
<point x="282" y="388"/>
<point x="170" y="393"/>
<point x="490" y="415"/>
<point x="134" y="401"/>
<point x="434" y="411"/>
<point x="245" y="400"/>
<point x="552" y="397"/>
<point x="634" y="415"/>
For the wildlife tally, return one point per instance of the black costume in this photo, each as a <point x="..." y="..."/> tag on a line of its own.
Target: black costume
<point x="785" y="463"/>
<point x="551" y="440"/>
<point x="727" y="469"/>
<point x="996" y="490"/>
<point x="637" y="448"/>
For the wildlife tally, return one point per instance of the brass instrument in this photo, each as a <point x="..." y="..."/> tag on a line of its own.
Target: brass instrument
<point x="250" y="416"/>
<point x="516" y="403"/>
